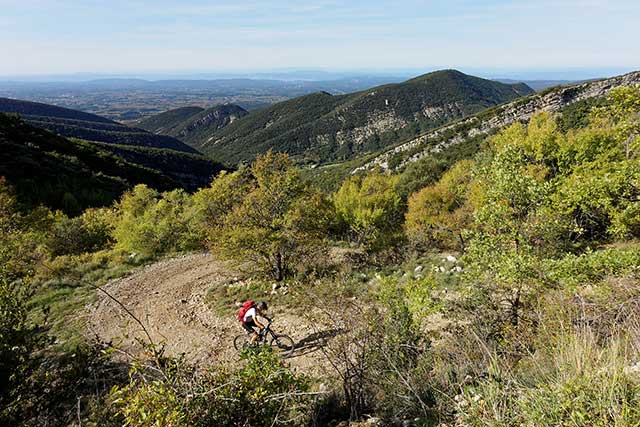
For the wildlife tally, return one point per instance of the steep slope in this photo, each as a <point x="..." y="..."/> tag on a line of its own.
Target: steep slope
<point x="77" y="124"/>
<point x="72" y="175"/>
<point x="198" y="126"/>
<point x="188" y="171"/>
<point x="491" y="120"/>
<point x="321" y="127"/>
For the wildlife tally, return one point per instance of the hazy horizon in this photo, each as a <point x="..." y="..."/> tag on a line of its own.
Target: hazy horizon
<point x="318" y="74"/>
<point x="193" y="36"/>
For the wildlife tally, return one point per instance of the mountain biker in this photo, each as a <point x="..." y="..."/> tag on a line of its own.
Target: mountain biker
<point x="250" y="319"/>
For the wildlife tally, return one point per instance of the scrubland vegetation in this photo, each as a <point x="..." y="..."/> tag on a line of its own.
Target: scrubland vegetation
<point x="506" y="291"/>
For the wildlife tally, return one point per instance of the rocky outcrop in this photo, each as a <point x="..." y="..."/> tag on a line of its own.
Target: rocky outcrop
<point x="493" y="119"/>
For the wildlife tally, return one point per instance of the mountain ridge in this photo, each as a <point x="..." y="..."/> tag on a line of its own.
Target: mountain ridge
<point x="321" y="127"/>
<point x="552" y="99"/>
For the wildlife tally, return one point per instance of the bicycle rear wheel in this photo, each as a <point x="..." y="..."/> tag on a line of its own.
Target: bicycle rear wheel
<point x="283" y="344"/>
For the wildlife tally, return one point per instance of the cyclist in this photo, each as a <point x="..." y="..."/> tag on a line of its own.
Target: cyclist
<point x="250" y="319"/>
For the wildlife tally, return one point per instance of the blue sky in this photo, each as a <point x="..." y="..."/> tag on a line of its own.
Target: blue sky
<point x="116" y="36"/>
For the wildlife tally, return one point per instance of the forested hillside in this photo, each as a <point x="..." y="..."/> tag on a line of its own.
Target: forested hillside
<point x="322" y="127"/>
<point x="72" y="175"/>
<point x="194" y="126"/>
<point x="498" y="289"/>
<point x="77" y="124"/>
<point x="165" y="123"/>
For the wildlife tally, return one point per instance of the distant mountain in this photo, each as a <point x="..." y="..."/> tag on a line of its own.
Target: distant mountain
<point x="193" y="125"/>
<point x="322" y="127"/>
<point x="538" y="85"/>
<point x="487" y="122"/>
<point x="72" y="175"/>
<point x="78" y="124"/>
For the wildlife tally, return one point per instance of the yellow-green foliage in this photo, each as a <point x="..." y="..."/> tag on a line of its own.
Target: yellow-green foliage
<point x="89" y="232"/>
<point x="261" y="392"/>
<point x="18" y="338"/>
<point x="152" y="223"/>
<point x="371" y="208"/>
<point x="540" y="189"/>
<point x="277" y="220"/>
<point x="437" y="215"/>
<point x="210" y="205"/>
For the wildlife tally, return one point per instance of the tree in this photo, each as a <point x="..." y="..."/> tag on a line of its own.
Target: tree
<point x="624" y="113"/>
<point x="439" y="214"/>
<point x="370" y="209"/>
<point x="600" y="190"/>
<point x="153" y="223"/>
<point x="278" y="222"/>
<point x="18" y="338"/>
<point x="420" y="174"/>
<point x="210" y="205"/>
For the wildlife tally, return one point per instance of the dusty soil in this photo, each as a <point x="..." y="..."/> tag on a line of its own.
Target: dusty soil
<point x="169" y="298"/>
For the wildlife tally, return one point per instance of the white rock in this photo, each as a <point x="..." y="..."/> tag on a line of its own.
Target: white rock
<point x="418" y="269"/>
<point x="451" y="258"/>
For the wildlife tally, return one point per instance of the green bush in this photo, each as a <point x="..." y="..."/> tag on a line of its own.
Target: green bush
<point x="277" y="222"/>
<point x="261" y="392"/>
<point x="90" y="232"/>
<point x="152" y="223"/>
<point x="370" y="209"/>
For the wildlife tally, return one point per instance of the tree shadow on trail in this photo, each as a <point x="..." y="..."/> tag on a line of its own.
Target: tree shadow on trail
<point x="314" y="342"/>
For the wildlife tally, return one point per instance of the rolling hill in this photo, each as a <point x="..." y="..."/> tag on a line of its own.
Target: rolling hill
<point x="78" y="124"/>
<point x="72" y="175"/>
<point x="322" y="127"/>
<point x="193" y="125"/>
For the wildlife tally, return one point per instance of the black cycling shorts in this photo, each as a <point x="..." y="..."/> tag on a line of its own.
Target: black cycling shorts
<point x="249" y="325"/>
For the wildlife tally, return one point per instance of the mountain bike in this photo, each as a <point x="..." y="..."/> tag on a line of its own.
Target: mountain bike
<point x="282" y="344"/>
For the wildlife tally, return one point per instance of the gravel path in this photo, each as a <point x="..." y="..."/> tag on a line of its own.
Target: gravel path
<point x="169" y="299"/>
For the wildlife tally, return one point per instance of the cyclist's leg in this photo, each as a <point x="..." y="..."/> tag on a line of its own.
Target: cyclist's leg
<point x="250" y="326"/>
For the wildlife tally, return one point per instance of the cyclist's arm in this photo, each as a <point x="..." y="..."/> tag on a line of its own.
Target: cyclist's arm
<point x="257" y="322"/>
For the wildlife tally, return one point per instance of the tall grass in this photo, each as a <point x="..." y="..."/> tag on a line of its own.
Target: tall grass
<point x="575" y="380"/>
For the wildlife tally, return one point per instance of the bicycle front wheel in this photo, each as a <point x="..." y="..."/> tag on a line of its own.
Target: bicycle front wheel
<point x="283" y="344"/>
<point x="241" y="342"/>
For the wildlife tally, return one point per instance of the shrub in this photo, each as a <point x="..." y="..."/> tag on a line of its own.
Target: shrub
<point x="370" y="209"/>
<point x="151" y="223"/>
<point x="89" y="232"/>
<point x="574" y="381"/>
<point x="438" y="215"/>
<point x="262" y="392"/>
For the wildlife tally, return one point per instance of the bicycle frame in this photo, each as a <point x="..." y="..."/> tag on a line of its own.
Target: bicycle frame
<point x="267" y="331"/>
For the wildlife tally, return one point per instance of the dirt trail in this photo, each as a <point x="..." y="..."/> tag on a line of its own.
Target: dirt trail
<point x="169" y="298"/>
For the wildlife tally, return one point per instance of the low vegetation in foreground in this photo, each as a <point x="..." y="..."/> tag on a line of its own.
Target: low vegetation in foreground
<point x="502" y="292"/>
